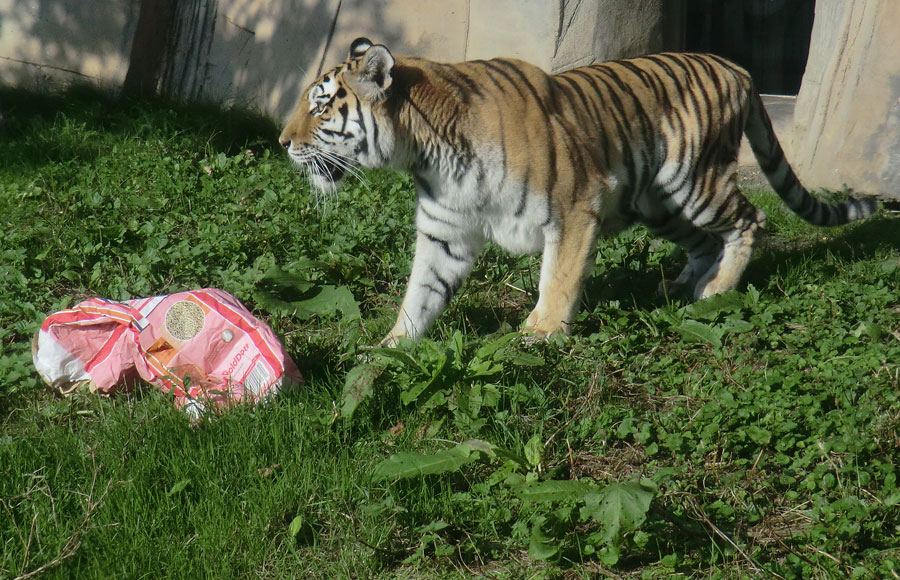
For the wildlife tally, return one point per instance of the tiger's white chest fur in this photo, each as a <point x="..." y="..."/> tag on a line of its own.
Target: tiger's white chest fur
<point x="516" y="229"/>
<point x="484" y="209"/>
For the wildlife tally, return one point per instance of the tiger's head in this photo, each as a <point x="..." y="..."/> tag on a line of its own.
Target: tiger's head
<point x="339" y="123"/>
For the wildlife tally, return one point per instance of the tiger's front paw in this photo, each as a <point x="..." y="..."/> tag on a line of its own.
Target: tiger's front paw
<point x="391" y="340"/>
<point x="539" y="327"/>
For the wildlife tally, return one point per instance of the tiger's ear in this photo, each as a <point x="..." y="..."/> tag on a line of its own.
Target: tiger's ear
<point x="359" y="46"/>
<point x="374" y="76"/>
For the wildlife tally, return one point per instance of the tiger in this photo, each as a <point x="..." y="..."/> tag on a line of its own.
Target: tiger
<point x="501" y="151"/>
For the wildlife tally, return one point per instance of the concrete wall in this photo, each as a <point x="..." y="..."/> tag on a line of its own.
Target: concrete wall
<point x="43" y="42"/>
<point x="262" y="53"/>
<point x="265" y="53"/>
<point x="847" y="117"/>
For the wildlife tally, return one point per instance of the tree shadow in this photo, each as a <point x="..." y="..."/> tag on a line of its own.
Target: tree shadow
<point x="263" y="55"/>
<point x="240" y="53"/>
<point x="73" y="40"/>
<point x="855" y="243"/>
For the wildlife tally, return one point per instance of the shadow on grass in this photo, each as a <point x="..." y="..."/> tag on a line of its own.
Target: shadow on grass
<point x="34" y="124"/>
<point x="856" y="243"/>
<point x="320" y="363"/>
<point x="638" y="289"/>
<point x="486" y="320"/>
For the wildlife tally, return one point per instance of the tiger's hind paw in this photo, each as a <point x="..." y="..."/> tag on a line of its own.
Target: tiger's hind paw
<point x="674" y="289"/>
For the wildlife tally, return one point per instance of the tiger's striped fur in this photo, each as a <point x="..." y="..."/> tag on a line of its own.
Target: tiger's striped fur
<point x="503" y="152"/>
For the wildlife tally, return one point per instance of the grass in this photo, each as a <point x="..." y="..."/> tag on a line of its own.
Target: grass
<point x="752" y="435"/>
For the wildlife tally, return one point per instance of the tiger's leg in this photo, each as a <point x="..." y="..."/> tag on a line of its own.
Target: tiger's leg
<point x="440" y="266"/>
<point x="725" y="273"/>
<point x="722" y="211"/>
<point x="703" y="250"/>
<point x="566" y="261"/>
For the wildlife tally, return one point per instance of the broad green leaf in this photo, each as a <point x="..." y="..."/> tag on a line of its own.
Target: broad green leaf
<point x="556" y="490"/>
<point x="295" y="526"/>
<point x="407" y="465"/>
<point x="482" y="447"/>
<point x="710" y="308"/>
<point x="610" y="554"/>
<point x="736" y="325"/>
<point x="424" y="391"/>
<point x="404" y="358"/>
<point x="457" y="344"/>
<point x="518" y="460"/>
<point x="329" y="300"/>
<point x="759" y="435"/>
<point x="620" y="508"/>
<point x="870" y="329"/>
<point x="412" y="393"/>
<point x="178" y="487"/>
<point x="478" y="368"/>
<point x="752" y="295"/>
<point x="492" y="347"/>
<point x="358" y="386"/>
<point x="318" y="301"/>
<point x="432" y="527"/>
<point x="521" y="359"/>
<point x="469" y="400"/>
<point x="692" y="331"/>
<point x="283" y="278"/>
<point x="542" y="546"/>
<point x="890" y="266"/>
<point x="534" y="450"/>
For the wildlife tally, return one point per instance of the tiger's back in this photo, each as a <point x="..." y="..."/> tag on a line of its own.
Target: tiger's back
<point x="501" y="151"/>
<point x="660" y="114"/>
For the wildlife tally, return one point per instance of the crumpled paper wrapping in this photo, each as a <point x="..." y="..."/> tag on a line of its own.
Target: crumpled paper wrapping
<point x="204" y="346"/>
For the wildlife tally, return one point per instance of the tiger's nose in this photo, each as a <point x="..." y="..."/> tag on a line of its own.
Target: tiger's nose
<point x="286" y="143"/>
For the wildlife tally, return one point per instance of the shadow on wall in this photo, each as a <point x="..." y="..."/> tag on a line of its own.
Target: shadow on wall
<point x="42" y="40"/>
<point x="260" y="53"/>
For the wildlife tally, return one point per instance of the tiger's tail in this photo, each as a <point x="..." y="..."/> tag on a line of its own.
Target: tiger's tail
<point x="782" y="178"/>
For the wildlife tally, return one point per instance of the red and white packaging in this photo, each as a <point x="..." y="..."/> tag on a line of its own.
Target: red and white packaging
<point x="202" y="345"/>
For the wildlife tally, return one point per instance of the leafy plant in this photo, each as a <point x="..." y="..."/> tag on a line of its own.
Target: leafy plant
<point x="435" y="376"/>
<point x="298" y="296"/>
<point x="618" y="508"/>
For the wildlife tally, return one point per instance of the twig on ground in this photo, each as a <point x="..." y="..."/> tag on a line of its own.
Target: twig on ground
<point x="705" y="519"/>
<point x="73" y="543"/>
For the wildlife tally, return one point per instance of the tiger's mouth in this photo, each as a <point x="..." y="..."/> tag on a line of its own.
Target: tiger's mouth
<point x="324" y="167"/>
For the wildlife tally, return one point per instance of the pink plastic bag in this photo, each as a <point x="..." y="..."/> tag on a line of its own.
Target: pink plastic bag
<point x="203" y="345"/>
